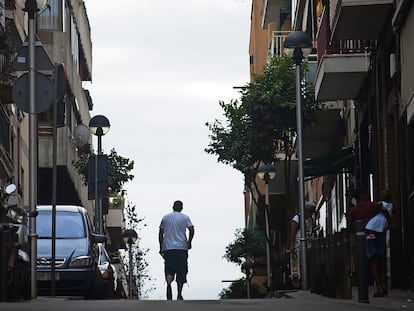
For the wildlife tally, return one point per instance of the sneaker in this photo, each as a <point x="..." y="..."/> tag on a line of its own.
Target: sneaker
<point x="379" y="294"/>
<point x="180" y="298"/>
<point x="169" y="292"/>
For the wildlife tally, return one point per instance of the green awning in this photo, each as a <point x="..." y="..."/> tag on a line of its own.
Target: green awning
<point x="330" y="164"/>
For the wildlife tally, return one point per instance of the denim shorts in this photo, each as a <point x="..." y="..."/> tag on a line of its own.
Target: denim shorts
<point x="376" y="244"/>
<point x="176" y="264"/>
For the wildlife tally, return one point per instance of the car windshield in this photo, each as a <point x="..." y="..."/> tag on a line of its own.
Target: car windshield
<point x="69" y="225"/>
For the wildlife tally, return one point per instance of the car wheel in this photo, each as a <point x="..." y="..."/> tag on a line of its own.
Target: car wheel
<point x="110" y="294"/>
<point x="96" y="289"/>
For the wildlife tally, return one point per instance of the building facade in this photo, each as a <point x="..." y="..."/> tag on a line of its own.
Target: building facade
<point x="364" y="74"/>
<point x="63" y="35"/>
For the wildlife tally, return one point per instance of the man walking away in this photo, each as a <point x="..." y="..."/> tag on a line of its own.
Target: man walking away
<point x="174" y="247"/>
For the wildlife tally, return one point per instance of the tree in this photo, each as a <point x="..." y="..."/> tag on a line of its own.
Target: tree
<point x="256" y="124"/>
<point x="248" y="243"/>
<point x="262" y="124"/>
<point x="118" y="169"/>
<point x="140" y="268"/>
<point x="237" y="290"/>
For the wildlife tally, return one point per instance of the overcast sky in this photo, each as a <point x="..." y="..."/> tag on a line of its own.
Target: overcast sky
<point x="160" y="68"/>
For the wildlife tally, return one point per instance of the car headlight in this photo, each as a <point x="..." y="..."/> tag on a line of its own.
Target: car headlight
<point x="81" y="261"/>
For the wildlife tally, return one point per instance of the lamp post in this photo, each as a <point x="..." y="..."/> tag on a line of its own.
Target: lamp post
<point x="130" y="237"/>
<point x="267" y="172"/>
<point x="99" y="126"/>
<point x="32" y="7"/>
<point x="298" y="45"/>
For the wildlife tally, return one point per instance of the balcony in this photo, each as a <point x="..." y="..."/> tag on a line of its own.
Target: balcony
<point x="342" y="65"/>
<point x="115" y="217"/>
<point x="341" y="76"/>
<point x="114" y="221"/>
<point x="359" y="19"/>
<point x="82" y="25"/>
<point x="321" y="139"/>
<point x="276" y="44"/>
<point x="272" y="10"/>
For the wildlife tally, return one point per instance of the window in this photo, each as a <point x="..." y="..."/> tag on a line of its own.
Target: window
<point x="69" y="225"/>
<point x="75" y="44"/>
<point x="49" y="17"/>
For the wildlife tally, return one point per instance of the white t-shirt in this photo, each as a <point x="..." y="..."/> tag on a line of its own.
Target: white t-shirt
<point x="379" y="223"/>
<point x="175" y="226"/>
<point x="308" y="226"/>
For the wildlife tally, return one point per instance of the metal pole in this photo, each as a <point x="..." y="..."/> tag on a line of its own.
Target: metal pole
<point x="32" y="147"/>
<point x="303" y="248"/>
<point x="54" y="187"/>
<point x="248" y="284"/>
<point x="268" y="274"/>
<point x="97" y="223"/>
<point x="98" y="205"/>
<point x="130" y="268"/>
<point x="362" y="262"/>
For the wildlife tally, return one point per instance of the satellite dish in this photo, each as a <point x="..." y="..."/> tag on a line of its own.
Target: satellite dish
<point x="81" y="135"/>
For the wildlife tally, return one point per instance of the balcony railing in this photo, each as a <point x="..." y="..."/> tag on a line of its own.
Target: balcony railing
<point x="326" y="46"/>
<point x="276" y="43"/>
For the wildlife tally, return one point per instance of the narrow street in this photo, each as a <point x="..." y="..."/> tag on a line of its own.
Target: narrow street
<point x="301" y="300"/>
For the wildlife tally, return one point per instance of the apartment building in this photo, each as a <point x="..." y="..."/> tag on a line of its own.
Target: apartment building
<point x="271" y="22"/>
<point x="63" y="31"/>
<point x="363" y="50"/>
<point x="64" y="41"/>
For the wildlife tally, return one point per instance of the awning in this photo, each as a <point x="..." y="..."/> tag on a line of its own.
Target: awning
<point x="330" y="164"/>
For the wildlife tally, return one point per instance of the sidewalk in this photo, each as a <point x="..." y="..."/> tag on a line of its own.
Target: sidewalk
<point x="396" y="299"/>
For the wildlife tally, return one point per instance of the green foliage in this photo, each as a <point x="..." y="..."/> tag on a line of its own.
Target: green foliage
<point x="231" y="141"/>
<point x="118" y="170"/>
<point x="266" y="110"/>
<point x="238" y="290"/>
<point x="247" y="243"/>
<point x="139" y="254"/>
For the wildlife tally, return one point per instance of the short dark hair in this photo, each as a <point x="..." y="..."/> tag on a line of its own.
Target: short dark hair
<point x="178" y="205"/>
<point x="385" y="195"/>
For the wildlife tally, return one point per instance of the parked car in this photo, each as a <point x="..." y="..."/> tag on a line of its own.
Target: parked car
<point x="105" y="286"/>
<point x="77" y="252"/>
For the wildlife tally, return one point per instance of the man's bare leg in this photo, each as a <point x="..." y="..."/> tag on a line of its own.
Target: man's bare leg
<point x="180" y="290"/>
<point x="169" y="279"/>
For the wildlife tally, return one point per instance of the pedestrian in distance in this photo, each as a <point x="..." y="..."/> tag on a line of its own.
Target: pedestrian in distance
<point x="376" y="229"/>
<point x="365" y="210"/>
<point x="295" y="240"/>
<point x="174" y="246"/>
<point x="294" y="244"/>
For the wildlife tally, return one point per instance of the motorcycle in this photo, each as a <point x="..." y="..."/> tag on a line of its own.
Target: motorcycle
<point x="15" y="263"/>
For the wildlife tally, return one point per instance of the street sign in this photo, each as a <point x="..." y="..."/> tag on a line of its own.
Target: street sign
<point x="100" y="176"/>
<point x="45" y="94"/>
<point x="42" y="59"/>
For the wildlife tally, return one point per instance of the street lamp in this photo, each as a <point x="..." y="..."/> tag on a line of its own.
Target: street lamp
<point x="130" y="237"/>
<point x="99" y="126"/>
<point x="267" y="172"/>
<point x="298" y="46"/>
<point x="32" y="7"/>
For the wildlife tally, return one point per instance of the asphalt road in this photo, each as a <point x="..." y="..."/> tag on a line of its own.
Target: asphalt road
<point x="303" y="301"/>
